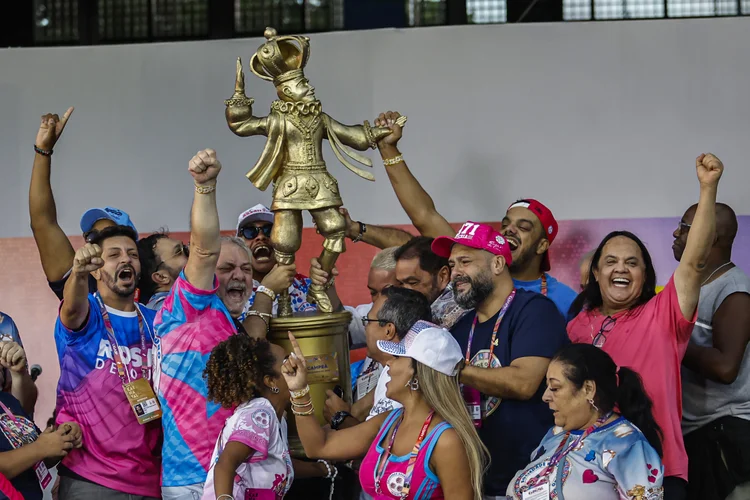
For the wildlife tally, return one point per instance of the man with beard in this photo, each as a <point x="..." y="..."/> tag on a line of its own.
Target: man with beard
<point x="509" y="340"/>
<point x="254" y="226"/>
<point x="202" y="310"/>
<point x="529" y="226"/>
<point x="103" y="344"/>
<point x="162" y="259"/>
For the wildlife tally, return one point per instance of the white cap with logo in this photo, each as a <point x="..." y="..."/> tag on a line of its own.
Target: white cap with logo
<point x="429" y="344"/>
<point x="257" y="213"/>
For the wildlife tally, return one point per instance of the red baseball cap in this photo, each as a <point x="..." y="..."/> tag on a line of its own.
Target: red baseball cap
<point x="549" y="224"/>
<point x="474" y="235"/>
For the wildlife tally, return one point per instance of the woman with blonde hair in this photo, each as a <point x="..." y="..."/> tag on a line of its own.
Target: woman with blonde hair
<point x="428" y="449"/>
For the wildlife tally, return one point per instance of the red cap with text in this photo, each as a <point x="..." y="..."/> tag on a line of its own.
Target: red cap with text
<point x="474" y="235"/>
<point x="549" y="224"/>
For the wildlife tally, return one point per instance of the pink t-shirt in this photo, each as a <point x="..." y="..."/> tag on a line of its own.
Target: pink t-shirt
<point x="651" y="340"/>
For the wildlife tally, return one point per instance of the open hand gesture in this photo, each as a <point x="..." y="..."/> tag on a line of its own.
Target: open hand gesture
<point x="709" y="169"/>
<point x="294" y="367"/>
<point x="51" y="129"/>
<point x="205" y="167"/>
<point x="88" y="258"/>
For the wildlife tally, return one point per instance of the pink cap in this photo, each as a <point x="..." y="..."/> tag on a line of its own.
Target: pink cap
<point x="474" y="235"/>
<point x="549" y="224"/>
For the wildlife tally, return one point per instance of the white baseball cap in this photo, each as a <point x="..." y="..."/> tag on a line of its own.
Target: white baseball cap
<point x="257" y="213"/>
<point x="429" y="344"/>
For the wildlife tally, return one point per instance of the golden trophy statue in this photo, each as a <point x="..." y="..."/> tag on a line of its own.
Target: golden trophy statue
<point x="293" y="160"/>
<point x="293" y="155"/>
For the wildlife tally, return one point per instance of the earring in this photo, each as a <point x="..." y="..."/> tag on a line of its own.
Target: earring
<point x="414" y="384"/>
<point x="275" y="390"/>
<point x="591" y="402"/>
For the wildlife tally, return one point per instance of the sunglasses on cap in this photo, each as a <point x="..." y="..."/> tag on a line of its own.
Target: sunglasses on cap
<point x="252" y="232"/>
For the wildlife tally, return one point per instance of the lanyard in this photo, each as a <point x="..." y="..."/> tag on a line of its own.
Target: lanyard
<point x="9" y="413"/>
<point x="493" y="341"/>
<point x="383" y="459"/>
<point x="121" y="372"/>
<point x="544" y="284"/>
<point x="563" y="450"/>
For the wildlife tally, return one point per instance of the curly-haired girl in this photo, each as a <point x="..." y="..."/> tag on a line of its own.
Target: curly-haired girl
<point x="252" y="447"/>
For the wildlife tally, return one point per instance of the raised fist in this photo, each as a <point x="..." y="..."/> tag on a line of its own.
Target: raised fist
<point x="51" y="129"/>
<point x="204" y="167"/>
<point x="12" y="356"/>
<point x="388" y="120"/>
<point x="709" y="169"/>
<point x="88" y="258"/>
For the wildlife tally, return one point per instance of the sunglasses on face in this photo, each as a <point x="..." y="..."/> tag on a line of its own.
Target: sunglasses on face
<point x="252" y="232"/>
<point x="607" y="326"/>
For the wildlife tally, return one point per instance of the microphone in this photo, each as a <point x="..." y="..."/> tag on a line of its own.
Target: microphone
<point x="36" y="370"/>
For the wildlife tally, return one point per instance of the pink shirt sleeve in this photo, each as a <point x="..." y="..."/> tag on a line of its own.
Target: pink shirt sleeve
<point x="667" y="309"/>
<point x="254" y="429"/>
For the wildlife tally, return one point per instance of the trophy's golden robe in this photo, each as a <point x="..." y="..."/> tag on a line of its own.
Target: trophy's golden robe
<point x="293" y="157"/>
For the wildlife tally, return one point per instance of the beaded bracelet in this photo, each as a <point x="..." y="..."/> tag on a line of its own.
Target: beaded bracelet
<point x="332" y="473"/>
<point x="43" y="152"/>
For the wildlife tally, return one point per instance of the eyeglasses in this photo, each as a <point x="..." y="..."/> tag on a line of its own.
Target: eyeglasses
<point x="684" y="226"/>
<point x="182" y="249"/>
<point x="252" y="232"/>
<point x="366" y="320"/>
<point x="607" y="326"/>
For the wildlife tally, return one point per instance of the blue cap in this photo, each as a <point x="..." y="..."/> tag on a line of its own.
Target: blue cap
<point x="116" y="215"/>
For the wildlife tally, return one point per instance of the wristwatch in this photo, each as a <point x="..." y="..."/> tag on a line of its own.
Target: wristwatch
<point x="339" y="418"/>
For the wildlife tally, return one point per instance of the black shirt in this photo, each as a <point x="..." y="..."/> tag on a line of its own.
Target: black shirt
<point x="14" y="435"/>
<point x="511" y="430"/>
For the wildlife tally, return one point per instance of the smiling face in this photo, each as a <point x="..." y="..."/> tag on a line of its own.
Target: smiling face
<point x="472" y="275"/>
<point x="526" y="237"/>
<point x="620" y="273"/>
<point x="569" y="404"/>
<point x="235" y="275"/>
<point x="121" y="266"/>
<point x="260" y="246"/>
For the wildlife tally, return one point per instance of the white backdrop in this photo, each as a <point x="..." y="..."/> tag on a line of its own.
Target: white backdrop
<point x="597" y="119"/>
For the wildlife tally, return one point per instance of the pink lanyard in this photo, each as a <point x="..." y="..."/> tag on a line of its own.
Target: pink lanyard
<point x="493" y="341"/>
<point x="9" y="413"/>
<point x="116" y="349"/>
<point x="383" y="459"/>
<point x="560" y="453"/>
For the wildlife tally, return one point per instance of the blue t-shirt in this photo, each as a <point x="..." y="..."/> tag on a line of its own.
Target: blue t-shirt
<point x="559" y="293"/>
<point x="511" y="430"/>
<point x="13" y="435"/>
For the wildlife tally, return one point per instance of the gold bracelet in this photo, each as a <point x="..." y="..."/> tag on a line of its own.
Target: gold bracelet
<point x="205" y="189"/>
<point x="302" y="392"/>
<point x="392" y="161"/>
<point x="301" y="405"/>
<point x="304" y="413"/>
<point x="267" y="292"/>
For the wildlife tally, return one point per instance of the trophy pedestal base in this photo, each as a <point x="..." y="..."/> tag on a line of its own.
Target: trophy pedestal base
<point x="324" y="339"/>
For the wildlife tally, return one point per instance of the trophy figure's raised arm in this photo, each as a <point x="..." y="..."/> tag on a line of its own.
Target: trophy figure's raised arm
<point x="293" y="157"/>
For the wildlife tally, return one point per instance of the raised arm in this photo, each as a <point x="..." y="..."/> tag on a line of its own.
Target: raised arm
<point x="687" y="277"/>
<point x="277" y="280"/>
<point x="345" y="444"/>
<point x="205" y="238"/>
<point x="239" y="110"/>
<point x="378" y="236"/>
<point x="359" y="137"/>
<point x="75" y="307"/>
<point x="55" y="250"/>
<point x="413" y="198"/>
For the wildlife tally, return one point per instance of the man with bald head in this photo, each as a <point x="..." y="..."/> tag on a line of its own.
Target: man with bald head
<point x="716" y="369"/>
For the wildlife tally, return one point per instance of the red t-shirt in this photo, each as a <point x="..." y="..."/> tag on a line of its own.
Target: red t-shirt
<point x="651" y="340"/>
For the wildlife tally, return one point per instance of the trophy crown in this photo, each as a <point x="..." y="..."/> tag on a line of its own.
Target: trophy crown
<point x="281" y="58"/>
